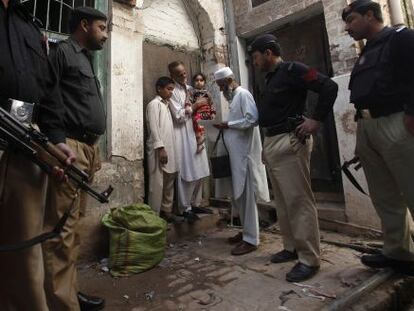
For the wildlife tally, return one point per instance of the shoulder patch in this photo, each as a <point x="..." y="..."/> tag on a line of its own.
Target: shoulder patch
<point x="311" y="75"/>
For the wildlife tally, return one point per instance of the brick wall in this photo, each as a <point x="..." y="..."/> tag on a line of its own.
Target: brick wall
<point x="270" y="15"/>
<point x="343" y="48"/>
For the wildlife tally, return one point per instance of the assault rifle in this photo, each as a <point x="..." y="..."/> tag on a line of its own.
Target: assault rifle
<point x="36" y="146"/>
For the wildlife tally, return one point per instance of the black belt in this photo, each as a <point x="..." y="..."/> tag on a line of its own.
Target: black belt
<point x="376" y="113"/>
<point x="277" y="130"/>
<point x="84" y="137"/>
<point x="284" y="127"/>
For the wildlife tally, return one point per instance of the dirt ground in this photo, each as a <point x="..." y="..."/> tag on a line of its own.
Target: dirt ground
<point x="200" y="274"/>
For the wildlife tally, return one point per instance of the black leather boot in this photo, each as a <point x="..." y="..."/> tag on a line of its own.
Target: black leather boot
<point x="90" y="303"/>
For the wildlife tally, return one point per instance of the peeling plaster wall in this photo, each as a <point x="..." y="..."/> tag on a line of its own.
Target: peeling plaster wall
<point x="123" y="168"/>
<point x="167" y="22"/>
<point x="126" y="84"/>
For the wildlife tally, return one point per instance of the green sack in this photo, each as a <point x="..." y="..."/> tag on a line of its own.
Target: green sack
<point x="138" y="238"/>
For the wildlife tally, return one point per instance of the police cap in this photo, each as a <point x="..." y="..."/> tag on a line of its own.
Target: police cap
<point x="84" y="12"/>
<point x="359" y="6"/>
<point x="88" y="12"/>
<point x="263" y="42"/>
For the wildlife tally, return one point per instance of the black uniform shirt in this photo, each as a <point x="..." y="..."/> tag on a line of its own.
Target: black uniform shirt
<point x="25" y="73"/>
<point x="286" y="90"/>
<point x="403" y="54"/>
<point x="81" y="96"/>
<point x="383" y="78"/>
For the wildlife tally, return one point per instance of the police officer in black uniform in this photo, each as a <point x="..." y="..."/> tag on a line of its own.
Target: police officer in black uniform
<point x="84" y="122"/>
<point x="25" y="75"/>
<point x="287" y="147"/>
<point x="382" y="90"/>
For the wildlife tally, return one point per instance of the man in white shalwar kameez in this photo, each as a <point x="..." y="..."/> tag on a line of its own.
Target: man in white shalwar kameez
<point x="193" y="166"/>
<point x="161" y="150"/>
<point x="242" y="138"/>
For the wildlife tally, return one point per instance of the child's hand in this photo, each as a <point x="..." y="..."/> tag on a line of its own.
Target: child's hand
<point x="188" y="110"/>
<point x="200" y="103"/>
<point x="162" y="154"/>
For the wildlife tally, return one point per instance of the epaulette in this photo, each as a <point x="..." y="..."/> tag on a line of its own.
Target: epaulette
<point x="400" y="28"/>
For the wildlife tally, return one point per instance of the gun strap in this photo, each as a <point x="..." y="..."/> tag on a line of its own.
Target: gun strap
<point x="351" y="177"/>
<point x="42" y="237"/>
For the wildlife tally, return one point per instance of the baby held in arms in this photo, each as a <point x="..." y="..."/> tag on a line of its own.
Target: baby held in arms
<point x="201" y="106"/>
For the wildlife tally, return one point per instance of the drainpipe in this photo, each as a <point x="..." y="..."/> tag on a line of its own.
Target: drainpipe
<point x="397" y="17"/>
<point x="352" y="296"/>
<point x="231" y="37"/>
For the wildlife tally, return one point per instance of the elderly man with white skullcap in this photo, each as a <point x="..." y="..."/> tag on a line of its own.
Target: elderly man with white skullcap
<point x="248" y="172"/>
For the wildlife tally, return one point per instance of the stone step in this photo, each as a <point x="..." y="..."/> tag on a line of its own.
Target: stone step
<point x="207" y="222"/>
<point x="328" y="210"/>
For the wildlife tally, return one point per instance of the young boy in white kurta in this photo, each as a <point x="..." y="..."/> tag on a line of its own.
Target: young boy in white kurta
<point x="161" y="150"/>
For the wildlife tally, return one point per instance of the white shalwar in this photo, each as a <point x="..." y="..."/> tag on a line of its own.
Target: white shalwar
<point x="160" y="134"/>
<point x="193" y="165"/>
<point x="248" y="172"/>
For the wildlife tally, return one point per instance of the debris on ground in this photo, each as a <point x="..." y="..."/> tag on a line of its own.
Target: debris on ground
<point x="286" y="295"/>
<point x="208" y="277"/>
<point x="165" y="263"/>
<point x="315" y="292"/>
<point x="357" y="246"/>
<point x="149" y="296"/>
<point x="205" y="300"/>
<point x="104" y="265"/>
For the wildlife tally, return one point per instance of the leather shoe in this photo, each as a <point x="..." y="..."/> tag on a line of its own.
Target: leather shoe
<point x="235" y="239"/>
<point x="243" y="248"/>
<point x="301" y="272"/>
<point x="284" y="256"/>
<point x="379" y="261"/>
<point x="190" y="217"/>
<point x="90" y="303"/>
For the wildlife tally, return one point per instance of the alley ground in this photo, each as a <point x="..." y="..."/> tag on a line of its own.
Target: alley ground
<point x="200" y="274"/>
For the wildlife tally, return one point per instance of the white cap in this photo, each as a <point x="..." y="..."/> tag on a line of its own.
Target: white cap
<point x="223" y="73"/>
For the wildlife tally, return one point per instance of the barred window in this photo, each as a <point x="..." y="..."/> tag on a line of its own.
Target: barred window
<point x="54" y="14"/>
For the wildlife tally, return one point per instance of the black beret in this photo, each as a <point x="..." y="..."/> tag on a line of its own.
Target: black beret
<point x="263" y="41"/>
<point x="89" y="12"/>
<point x="357" y="6"/>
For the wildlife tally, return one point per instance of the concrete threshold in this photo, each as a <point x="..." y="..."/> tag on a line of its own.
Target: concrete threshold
<point x="331" y="217"/>
<point x="207" y="222"/>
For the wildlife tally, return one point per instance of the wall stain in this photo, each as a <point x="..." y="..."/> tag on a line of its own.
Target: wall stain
<point x="348" y="123"/>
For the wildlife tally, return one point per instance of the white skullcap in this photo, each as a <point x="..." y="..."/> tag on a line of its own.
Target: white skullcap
<point x="223" y="73"/>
